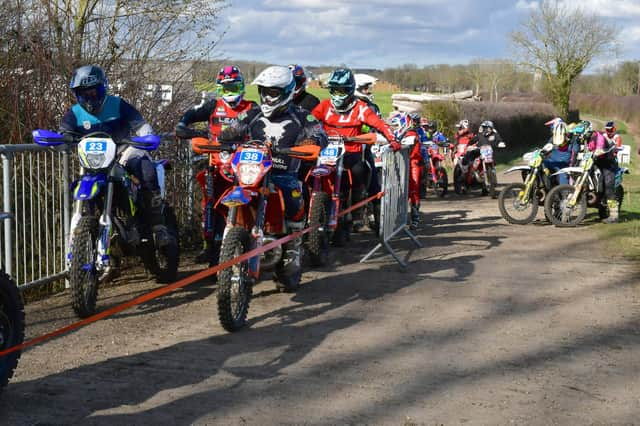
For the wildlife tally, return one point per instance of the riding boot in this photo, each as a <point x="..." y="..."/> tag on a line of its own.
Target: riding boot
<point x="614" y="208"/>
<point x="153" y="205"/>
<point x="415" y="216"/>
<point x="292" y="250"/>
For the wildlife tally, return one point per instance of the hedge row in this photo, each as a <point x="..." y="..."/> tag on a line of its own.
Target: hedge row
<point x="521" y="124"/>
<point x="625" y="108"/>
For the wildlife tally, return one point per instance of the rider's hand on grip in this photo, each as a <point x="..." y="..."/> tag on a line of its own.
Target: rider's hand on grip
<point x="230" y="134"/>
<point x="395" y="146"/>
<point x="182" y="131"/>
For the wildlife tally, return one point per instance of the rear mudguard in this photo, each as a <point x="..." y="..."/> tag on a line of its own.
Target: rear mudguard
<point x="516" y="168"/>
<point x="89" y="186"/>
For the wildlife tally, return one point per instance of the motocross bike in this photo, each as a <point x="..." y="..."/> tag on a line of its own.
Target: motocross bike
<point x="566" y="205"/>
<point x="106" y="224"/>
<point x="256" y="217"/>
<point x="481" y="172"/>
<point x="215" y="179"/>
<point x="518" y="202"/>
<point x="329" y="188"/>
<point x="11" y="325"/>
<point x="435" y="172"/>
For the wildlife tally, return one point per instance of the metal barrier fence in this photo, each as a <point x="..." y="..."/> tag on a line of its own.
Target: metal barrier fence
<point x="35" y="191"/>
<point x="394" y="206"/>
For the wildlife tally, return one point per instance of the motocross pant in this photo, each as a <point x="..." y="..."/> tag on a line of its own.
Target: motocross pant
<point x="554" y="166"/>
<point x="291" y="189"/>
<point x="416" y="168"/>
<point x="144" y="169"/>
<point x="608" y="166"/>
<point x="469" y="156"/>
<point x="360" y="175"/>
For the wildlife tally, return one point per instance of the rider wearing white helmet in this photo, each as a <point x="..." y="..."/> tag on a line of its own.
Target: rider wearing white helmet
<point x="278" y="121"/>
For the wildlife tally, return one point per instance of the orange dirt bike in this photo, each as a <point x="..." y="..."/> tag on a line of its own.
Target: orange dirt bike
<point x="256" y="217"/>
<point x="330" y="189"/>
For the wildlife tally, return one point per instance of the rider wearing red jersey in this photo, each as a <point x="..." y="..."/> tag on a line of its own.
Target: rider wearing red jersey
<point x="219" y="112"/>
<point x="344" y="114"/>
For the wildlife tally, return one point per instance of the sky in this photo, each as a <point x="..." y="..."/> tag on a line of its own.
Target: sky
<point x="388" y="33"/>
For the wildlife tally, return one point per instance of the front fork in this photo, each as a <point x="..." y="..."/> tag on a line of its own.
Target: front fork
<point x="573" y="199"/>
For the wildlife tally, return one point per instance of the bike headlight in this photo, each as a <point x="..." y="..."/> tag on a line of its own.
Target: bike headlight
<point x="95" y="160"/>
<point x="248" y="174"/>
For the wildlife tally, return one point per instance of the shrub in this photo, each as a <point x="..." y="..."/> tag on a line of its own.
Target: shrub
<point x="625" y="108"/>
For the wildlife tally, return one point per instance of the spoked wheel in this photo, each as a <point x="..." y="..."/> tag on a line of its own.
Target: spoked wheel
<point x="442" y="183"/>
<point x="458" y="185"/>
<point x="319" y="238"/>
<point x="559" y="212"/>
<point x="234" y="283"/>
<point x="512" y="209"/>
<point x="83" y="277"/>
<point x="11" y="326"/>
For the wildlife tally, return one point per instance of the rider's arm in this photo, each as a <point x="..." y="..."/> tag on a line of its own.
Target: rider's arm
<point x="199" y="113"/>
<point x="372" y="120"/>
<point x="313" y="130"/>
<point x="137" y="123"/>
<point x="68" y="123"/>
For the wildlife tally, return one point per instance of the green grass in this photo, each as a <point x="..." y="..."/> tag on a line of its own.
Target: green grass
<point x="624" y="237"/>
<point x="382" y="98"/>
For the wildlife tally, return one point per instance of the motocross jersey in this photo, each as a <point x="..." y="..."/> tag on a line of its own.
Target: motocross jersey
<point x="349" y="124"/>
<point x="463" y="137"/>
<point x="217" y="113"/>
<point x="284" y="131"/>
<point x="416" y="149"/>
<point x="492" y="140"/>
<point x="117" y="118"/>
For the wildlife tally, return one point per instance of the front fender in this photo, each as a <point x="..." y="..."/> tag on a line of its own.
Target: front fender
<point x="517" y="168"/>
<point x="88" y="186"/>
<point x="570" y="170"/>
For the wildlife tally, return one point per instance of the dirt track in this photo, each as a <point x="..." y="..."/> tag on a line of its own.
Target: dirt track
<point x="490" y="324"/>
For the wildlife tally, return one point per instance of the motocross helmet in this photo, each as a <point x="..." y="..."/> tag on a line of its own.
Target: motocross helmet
<point x="610" y="128"/>
<point x="400" y="123"/>
<point x="275" y="87"/>
<point x="486" y="127"/>
<point x="230" y="85"/>
<point x="300" y="77"/>
<point x="463" y="125"/>
<point x="89" y="85"/>
<point x="364" y="84"/>
<point x="559" y="133"/>
<point x="342" y="87"/>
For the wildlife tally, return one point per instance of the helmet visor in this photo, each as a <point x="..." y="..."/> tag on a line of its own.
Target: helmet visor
<point x="339" y="91"/>
<point x="234" y="88"/>
<point x="270" y="95"/>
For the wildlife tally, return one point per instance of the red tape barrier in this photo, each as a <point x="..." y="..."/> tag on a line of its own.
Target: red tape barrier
<point x="178" y="284"/>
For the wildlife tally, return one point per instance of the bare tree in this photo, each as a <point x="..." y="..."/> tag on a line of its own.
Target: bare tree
<point x="560" y="42"/>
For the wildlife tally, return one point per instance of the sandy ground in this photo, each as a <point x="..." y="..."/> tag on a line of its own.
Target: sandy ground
<point x="490" y="324"/>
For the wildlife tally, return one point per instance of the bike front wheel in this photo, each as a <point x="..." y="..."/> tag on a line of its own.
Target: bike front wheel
<point x="558" y="210"/>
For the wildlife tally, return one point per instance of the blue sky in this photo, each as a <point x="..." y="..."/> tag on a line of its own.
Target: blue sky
<point x="388" y="33"/>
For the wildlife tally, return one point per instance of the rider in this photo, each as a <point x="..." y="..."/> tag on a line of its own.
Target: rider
<point x="487" y="135"/>
<point x="345" y="114"/>
<point x="405" y="128"/>
<point x="565" y="148"/>
<point x="219" y="112"/>
<point x="301" y="97"/>
<point x="463" y="135"/>
<point x="97" y="111"/>
<point x="612" y="135"/>
<point x="604" y="156"/>
<point x="282" y="124"/>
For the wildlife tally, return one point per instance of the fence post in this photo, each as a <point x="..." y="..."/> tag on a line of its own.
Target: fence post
<point x="6" y="207"/>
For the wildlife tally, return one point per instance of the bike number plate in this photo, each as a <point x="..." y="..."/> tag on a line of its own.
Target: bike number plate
<point x="329" y="153"/>
<point x="95" y="146"/>
<point x="251" y="156"/>
<point x="487" y="153"/>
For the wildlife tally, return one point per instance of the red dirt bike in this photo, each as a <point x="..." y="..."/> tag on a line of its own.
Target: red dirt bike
<point x="256" y="217"/>
<point x="435" y="172"/>
<point x="330" y="188"/>
<point x="216" y="178"/>
<point x="481" y="172"/>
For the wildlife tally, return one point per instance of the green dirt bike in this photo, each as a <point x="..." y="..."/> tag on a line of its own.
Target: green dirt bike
<point x="11" y="326"/>
<point x="566" y="205"/>
<point x="518" y="202"/>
